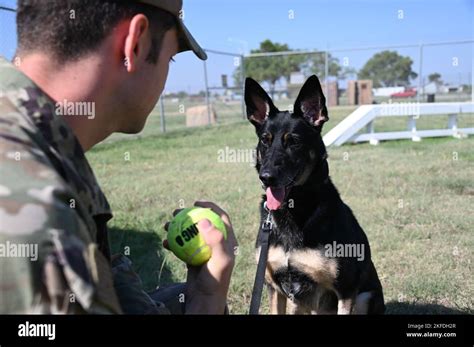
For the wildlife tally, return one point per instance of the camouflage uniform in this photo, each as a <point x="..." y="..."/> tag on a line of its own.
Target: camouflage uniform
<point x="49" y="197"/>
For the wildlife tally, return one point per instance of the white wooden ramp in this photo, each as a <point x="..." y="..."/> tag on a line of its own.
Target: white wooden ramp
<point x="348" y="130"/>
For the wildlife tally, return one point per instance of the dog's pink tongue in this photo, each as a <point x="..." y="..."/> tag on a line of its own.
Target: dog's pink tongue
<point x="275" y="197"/>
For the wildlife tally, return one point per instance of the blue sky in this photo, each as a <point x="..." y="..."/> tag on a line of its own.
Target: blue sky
<point x="240" y="25"/>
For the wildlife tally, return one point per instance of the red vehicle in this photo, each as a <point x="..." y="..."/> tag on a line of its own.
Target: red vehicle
<point x="406" y="94"/>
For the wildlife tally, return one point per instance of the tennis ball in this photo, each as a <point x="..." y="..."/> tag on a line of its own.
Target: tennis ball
<point x="184" y="239"/>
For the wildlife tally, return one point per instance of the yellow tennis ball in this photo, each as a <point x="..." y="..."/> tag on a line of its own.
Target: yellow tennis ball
<point x="184" y="239"/>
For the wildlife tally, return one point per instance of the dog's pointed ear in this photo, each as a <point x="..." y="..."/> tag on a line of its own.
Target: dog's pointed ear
<point x="311" y="103"/>
<point x="259" y="105"/>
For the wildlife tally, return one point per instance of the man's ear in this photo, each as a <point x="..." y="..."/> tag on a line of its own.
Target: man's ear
<point x="259" y="105"/>
<point x="135" y="41"/>
<point x="311" y="103"/>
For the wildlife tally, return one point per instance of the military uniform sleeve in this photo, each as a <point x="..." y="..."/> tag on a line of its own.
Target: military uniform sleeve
<point x="129" y="288"/>
<point x="48" y="261"/>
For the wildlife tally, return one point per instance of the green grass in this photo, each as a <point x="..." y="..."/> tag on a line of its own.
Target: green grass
<point x="413" y="200"/>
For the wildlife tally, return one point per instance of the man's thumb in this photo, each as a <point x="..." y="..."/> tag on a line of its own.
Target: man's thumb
<point x="211" y="235"/>
<point x="204" y="225"/>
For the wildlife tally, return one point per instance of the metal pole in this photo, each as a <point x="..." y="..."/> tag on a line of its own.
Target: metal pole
<point x="472" y="84"/>
<point x="420" y="77"/>
<point x="242" y="81"/>
<point x="326" y="73"/>
<point x="162" y="112"/>
<point x="7" y="9"/>
<point x="207" y="94"/>
<point x="222" y="53"/>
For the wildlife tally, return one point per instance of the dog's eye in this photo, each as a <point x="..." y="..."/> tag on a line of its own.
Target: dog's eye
<point x="266" y="139"/>
<point x="292" y="140"/>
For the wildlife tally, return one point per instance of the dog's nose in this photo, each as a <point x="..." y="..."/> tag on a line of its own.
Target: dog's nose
<point x="267" y="178"/>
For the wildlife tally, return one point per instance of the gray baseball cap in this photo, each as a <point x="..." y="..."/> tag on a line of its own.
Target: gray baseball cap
<point x="187" y="41"/>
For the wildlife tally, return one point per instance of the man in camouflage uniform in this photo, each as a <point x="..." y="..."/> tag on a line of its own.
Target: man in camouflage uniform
<point x="49" y="196"/>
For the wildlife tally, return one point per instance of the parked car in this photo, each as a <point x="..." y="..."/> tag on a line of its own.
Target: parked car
<point x="406" y="94"/>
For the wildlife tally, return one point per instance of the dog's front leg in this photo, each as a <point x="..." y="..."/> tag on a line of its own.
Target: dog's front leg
<point x="345" y="305"/>
<point x="294" y="308"/>
<point x="277" y="301"/>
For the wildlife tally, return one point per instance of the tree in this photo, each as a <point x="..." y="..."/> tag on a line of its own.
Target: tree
<point x="435" y="77"/>
<point x="388" y="69"/>
<point x="270" y="69"/>
<point x="316" y="64"/>
<point x="182" y="94"/>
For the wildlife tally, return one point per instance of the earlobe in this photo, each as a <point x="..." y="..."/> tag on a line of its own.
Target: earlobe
<point x="129" y="51"/>
<point x="129" y="64"/>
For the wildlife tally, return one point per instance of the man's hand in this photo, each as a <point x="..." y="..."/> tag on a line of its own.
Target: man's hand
<point x="208" y="284"/>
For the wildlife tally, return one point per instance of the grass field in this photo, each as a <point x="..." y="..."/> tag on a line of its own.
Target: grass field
<point x="414" y="200"/>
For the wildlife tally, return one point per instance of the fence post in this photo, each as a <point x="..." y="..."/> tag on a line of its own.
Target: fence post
<point x="162" y="114"/>
<point x="412" y="128"/>
<point x="453" y="123"/>
<point x="207" y="94"/>
<point x="370" y="130"/>
<point x="420" y="75"/>
<point x="326" y="73"/>
<point x="472" y="86"/>
<point x="370" y="127"/>
<point x="242" y="81"/>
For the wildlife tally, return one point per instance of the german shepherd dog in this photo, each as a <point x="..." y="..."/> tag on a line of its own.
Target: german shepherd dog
<point x="311" y="257"/>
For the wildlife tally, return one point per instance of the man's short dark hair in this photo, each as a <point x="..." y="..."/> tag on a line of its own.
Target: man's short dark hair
<point x="69" y="29"/>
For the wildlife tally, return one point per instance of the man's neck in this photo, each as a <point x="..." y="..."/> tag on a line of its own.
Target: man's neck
<point x="77" y="91"/>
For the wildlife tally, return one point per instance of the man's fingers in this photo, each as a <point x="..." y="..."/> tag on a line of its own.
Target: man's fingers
<point x="202" y="203"/>
<point x="220" y="212"/>
<point x="212" y="206"/>
<point x="175" y="212"/>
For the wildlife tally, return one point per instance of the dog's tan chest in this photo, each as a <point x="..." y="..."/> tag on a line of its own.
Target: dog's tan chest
<point x="312" y="262"/>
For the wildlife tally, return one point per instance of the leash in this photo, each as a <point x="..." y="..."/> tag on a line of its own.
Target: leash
<point x="265" y="230"/>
